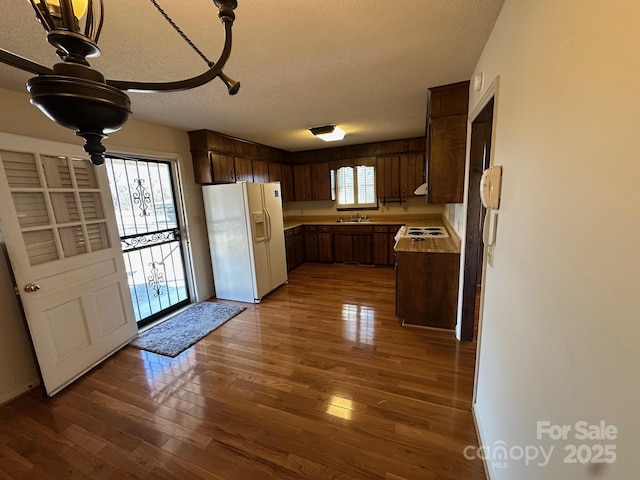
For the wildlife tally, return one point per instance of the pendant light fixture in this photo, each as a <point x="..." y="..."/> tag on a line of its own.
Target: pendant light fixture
<point x="77" y="96"/>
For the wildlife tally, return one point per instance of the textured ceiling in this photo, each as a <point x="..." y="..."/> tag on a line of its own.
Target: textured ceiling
<point x="363" y="64"/>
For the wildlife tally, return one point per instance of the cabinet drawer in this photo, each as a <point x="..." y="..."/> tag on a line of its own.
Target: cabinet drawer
<point x="297" y="230"/>
<point x="324" y="228"/>
<point x="380" y="228"/>
<point x="289" y="232"/>
<point x="310" y="228"/>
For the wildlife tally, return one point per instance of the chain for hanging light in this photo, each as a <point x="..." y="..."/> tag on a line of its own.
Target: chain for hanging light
<point x="77" y="96"/>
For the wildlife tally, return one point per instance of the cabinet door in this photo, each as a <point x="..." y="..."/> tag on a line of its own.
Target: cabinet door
<point x="324" y="245"/>
<point x="393" y="229"/>
<point x="311" y="243"/>
<point x="388" y="177"/>
<point x="448" y="139"/>
<point x="302" y="182"/>
<point x="343" y="247"/>
<point x="411" y="174"/>
<point x="299" y="240"/>
<point x="287" y="183"/>
<point x="362" y="249"/>
<point x="427" y="289"/>
<point x="380" y="248"/>
<point x="202" y="167"/>
<point x="244" y="172"/>
<point x="446" y="142"/>
<point x="290" y="247"/>
<point x="275" y="173"/>
<point x="223" y="168"/>
<point x="260" y="171"/>
<point x="320" y="181"/>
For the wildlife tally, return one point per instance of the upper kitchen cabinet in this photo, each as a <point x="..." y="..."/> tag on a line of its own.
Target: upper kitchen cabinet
<point x="302" y="182"/>
<point x="447" y="108"/>
<point x="218" y="158"/>
<point x="320" y="181"/>
<point x="312" y="181"/>
<point x="397" y="176"/>
<point x="288" y="194"/>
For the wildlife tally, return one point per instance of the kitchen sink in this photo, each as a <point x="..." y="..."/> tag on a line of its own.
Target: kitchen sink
<point x="353" y="220"/>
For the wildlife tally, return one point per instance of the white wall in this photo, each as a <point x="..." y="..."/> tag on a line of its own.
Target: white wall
<point x="560" y="324"/>
<point x="21" y="118"/>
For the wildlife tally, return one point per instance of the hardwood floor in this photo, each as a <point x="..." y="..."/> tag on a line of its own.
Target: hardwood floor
<point x="318" y="381"/>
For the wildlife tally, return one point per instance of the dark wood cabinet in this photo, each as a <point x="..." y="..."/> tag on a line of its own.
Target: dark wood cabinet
<point x="260" y="171"/>
<point x="343" y="248"/>
<point x="446" y="142"/>
<point x="302" y="182"/>
<point x="218" y="158"/>
<point x="275" y="172"/>
<point x="397" y="176"/>
<point x="353" y="244"/>
<point x="383" y="242"/>
<point x="290" y="249"/>
<point x="320" y="181"/>
<point x="325" y="252"/>
<point x="427" y="288"/>
<point x="287" y="183"/>
<point x="298" y="236"/>
<point x="411" y="174"/>
<point x="311" y="243"/>
<point x="381" y="245"/>
<point x="244" y="169"/>
<point x="294" y="247"/>
<point x="222" y="168"/>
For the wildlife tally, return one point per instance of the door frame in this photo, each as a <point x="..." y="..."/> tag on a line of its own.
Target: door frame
<point x="492" y="92"/>
<point x="175" y="161"/>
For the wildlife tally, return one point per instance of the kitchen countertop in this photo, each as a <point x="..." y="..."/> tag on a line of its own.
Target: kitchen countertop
<point x="450" y="244"/>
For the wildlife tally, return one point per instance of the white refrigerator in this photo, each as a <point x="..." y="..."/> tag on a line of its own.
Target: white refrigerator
<point x="246" y="239"/>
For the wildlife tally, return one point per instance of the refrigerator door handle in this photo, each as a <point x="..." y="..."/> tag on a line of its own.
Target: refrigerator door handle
<point x="268" y="218"/>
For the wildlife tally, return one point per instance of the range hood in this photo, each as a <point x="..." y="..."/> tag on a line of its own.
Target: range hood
<point x="421" y="190"/>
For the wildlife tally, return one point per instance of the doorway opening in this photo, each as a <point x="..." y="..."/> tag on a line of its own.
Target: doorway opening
<point x="149" y="225"/>
<point x="479" y="160"/>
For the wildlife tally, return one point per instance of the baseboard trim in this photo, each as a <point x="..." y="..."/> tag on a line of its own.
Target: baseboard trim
<point x="476" y="422"/>
<point x="10" y="397"/>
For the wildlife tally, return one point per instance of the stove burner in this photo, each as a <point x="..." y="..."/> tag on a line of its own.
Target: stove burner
<point x="423" y="232"/>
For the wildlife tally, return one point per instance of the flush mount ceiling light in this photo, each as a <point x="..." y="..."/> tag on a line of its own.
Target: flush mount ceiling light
<point x="328" y="133"/>
<point x="75" y="95"/>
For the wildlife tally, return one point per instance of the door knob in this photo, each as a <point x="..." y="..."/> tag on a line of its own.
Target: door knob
<point x="31" y="287"/>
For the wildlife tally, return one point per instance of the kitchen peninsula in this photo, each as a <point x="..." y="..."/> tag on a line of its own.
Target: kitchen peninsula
<point x="426" y="268"/>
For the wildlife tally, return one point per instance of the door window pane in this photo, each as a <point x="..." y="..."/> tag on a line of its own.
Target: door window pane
<point x="31" y="209"/>
<point x="85" y="174"/>
<point x="56" y="172"/>
<point x="21" y="169"/>
<point x="98" y="238"/>
<point x="41" y="246"/>
<point x="72" y="240"/>
<point x="91" y="206"/>
<point x="64" y="207"/>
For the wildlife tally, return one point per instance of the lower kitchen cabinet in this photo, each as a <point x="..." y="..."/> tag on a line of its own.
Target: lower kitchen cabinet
<point x="427" y="288"/>
<point x="325" y="252"/>
<point x="383" y="241"/>
<point x="294" y="247"/>
<point x="353" y="245"/>
<point x="311" y="243"/>
<point x="364" y="244"/>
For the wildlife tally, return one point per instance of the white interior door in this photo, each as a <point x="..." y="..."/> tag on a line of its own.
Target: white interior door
<point x="58" y="223"/>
